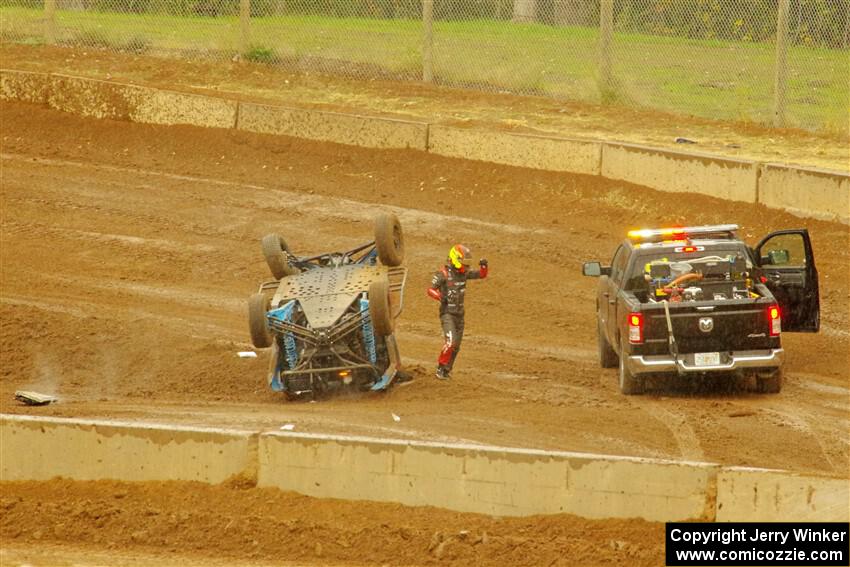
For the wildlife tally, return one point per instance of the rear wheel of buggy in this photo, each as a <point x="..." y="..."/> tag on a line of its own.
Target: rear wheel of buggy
<point x="275" y="251"/>
<point x="607" y="356"/>
<point x="629" y="383"/>
<point x="258" y="306"/>
<point x="379" y="307"/>
<point x="389" y="240"/>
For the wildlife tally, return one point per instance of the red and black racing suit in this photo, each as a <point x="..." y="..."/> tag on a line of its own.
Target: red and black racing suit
<point x="448" y="286"/>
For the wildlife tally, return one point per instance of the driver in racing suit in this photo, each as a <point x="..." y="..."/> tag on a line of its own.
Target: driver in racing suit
<point x="448" y="286"/>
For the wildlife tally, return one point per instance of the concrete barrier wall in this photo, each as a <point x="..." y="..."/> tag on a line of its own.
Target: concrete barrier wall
<point x="35" y="448"/>
<point x="347" y="129"/>
<point x="496" y="481"/>
<point x="488" y="480"/>
<point x="91" y="98"/>
<point x="103" y="99"/>
<point x="806" y="192"/>
<point x="756" y="495"/>
<point x="680" y="172"/>
<point x="521" y="150"/>
<point x="168" y="107"/>
<point x="23" y="86"/>
<point x="802" y="191"/>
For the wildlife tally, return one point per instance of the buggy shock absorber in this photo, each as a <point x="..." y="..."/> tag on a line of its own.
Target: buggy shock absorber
<point x="368" y="332"/>
<point x="291" y="352"/>
<point x="289" y="347"/>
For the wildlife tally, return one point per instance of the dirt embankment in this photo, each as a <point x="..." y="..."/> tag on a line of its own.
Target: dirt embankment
<point x="459" y="107"/>
<point x="179" y="521"/>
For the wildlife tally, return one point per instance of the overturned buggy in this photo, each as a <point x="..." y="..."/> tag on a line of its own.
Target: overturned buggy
<point x="330" y="318"/>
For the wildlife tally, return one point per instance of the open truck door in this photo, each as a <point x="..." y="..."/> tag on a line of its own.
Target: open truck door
<point x="787" y="262"/>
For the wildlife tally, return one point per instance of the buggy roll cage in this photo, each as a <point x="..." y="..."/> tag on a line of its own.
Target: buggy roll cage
<point x="370" y="253"/>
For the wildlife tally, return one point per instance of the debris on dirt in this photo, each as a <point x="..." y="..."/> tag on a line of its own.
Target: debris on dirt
<point x="403" y="377"/>
<point x="288" y="427"/>
<point x="685" y="141"/>
<point x="34" y="398"/>
<point x="396" y="418"/>
<point x="247" y="354"/>
<point x="742" y="413"/>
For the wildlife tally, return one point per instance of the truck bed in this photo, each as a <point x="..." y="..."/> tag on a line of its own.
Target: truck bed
<point x="733" y="324"/>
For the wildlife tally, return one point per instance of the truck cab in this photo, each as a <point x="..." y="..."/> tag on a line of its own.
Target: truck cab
<point x="697" y="300"/>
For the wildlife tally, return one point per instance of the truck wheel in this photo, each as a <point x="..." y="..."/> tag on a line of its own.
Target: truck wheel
<point x="274" y="250"/>
<point x="379" y="308"/>
<point x="607" y="357"/>
<point x="389" y="240"/>
<point x="770" y="383"/>
<point x="258" y="305"/>
<point x="629" y="383"/>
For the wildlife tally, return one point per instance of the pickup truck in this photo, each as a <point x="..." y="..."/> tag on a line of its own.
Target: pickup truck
<point x="697" y="300"/>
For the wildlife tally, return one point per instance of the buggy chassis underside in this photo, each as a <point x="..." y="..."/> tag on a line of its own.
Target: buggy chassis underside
<point x="326" y="292"/>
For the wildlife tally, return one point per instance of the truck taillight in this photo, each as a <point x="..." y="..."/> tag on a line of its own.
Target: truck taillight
<point x="774" y="320"/>
<point x="635" y="328"/>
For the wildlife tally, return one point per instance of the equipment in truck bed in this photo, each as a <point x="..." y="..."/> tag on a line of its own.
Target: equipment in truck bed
<point x="330" y="319"/>
<point x="698" y="278"/>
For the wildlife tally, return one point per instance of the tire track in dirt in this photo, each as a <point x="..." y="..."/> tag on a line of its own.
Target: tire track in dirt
<point x="833" y="441"/>
<point x="325" y="207"/>
<point x="690" y="448"/>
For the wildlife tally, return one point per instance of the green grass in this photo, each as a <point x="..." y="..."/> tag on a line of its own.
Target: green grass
<point x="260" y="54"/>
<point x="706" y="78"/>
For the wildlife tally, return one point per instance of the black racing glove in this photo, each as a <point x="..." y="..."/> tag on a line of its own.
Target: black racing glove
<point x="482" y="262"/>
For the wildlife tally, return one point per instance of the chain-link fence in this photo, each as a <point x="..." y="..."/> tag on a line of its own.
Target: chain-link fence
<point x="782" y="62"/>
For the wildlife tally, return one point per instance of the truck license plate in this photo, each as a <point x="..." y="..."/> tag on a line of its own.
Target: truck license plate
<point x="707" y="358"/>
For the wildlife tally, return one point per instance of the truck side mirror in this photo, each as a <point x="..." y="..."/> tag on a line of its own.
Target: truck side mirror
<point x="593" y="269"/>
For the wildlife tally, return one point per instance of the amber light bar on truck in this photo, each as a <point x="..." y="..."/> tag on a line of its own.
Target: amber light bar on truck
<point x="678" y="233"/>
<point x="689" y="249"/>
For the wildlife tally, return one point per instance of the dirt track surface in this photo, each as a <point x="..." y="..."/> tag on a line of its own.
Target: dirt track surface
<point x="458" y="107"/>
<point x="186" y="523"/>
<point x="128" y="253"/>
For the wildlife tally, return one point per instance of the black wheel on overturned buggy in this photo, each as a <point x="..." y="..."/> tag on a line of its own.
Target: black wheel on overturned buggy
<point x="379" y="307"/>
<point x="258" y="306"/>
<point x="389" y="239"/>
<point x="629" y="383"/>
<point x="275" y="250"/>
